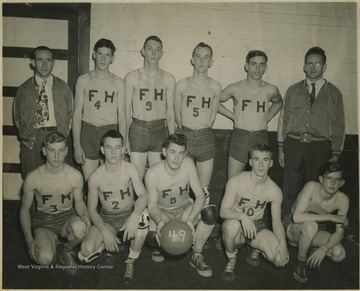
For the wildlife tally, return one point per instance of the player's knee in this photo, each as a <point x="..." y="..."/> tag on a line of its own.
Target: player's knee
<point x="78" y="228"/>
<point x="338" y="254"/>
<point x="309" y="229"/>
<point x="144" y="222"/>
<point x="45" y="258"/>
<point x="209" y="214"/>
<point x="231" y="227"/>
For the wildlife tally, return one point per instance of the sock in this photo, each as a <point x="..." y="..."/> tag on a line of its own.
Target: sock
<point x="133" y="254"/>
<point x="231" y="255"/>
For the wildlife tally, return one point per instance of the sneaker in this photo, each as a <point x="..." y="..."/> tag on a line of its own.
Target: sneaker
<point x="207" y="195"/>
<point x="128" y="278"/>
<point x="157" y="256"/>
<point x="300" y="271"/>
<point x="68" y="260"/>
<point x="197" y="261"/>
<point x="228" y="274"/>
<point x="219" y="243"/>
<point x="253" y="257"/>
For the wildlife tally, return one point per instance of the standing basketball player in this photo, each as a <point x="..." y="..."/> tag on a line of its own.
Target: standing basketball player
<point x="251" y="110"/>
<point x="149" y="106"/>
<point x="197" y="100"/>
<point x="168" y="185"/>
<point x="60" y="211"/>
<point x="113" y="184"/>
<point x="99" y="106"/>
<point x="242" y="208"/>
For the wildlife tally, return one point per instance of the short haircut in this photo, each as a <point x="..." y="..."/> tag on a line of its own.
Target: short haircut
<point x="331" y="167"/>
<point x="205" y="45"/>
<point x="113" y="133"/>
<point x="55" y="137"/>
<point x="256" y="53"/>
<point x="153" y="37"/>
<point x="176" y="138"/>
<point x="261" y="148"/>
<point x="316" y="50"/>
<point x="40" y="48"/>
<point x="103" y="42"/>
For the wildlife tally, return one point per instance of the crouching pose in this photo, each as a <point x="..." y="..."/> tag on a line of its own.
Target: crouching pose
<point x="168" y="185"/>
<point x="113" y="183"/>
<point x="318" y="205"/>
<point x="57" y="188"/>
<point x="242" y="208"/>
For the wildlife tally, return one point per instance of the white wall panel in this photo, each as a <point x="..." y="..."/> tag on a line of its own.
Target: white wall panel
<point x="11" y="186"/>
<point x="7" y="111"/>
<point x="11" y="149"/>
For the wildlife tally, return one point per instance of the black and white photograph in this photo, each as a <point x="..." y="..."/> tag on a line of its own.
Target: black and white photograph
<point x="180" y="145"/>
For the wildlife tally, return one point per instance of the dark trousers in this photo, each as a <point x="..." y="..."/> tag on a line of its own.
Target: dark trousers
<point x="302" y="163"/>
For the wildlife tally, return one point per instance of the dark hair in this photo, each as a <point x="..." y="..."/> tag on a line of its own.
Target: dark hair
<point x="113" y="133"/>
<point x="103" y="42"/>
<point x="40" y="48"/>
<point x="55" y="137"/>
<point x="256" y="53"/>
<point x="176" y="138"/>
<point x="202" y="44"/>
<point x="316" y="50"/>
<point x="261" y="148"/>
<point x="155" y="38"/>
<point x="331" y="167"/>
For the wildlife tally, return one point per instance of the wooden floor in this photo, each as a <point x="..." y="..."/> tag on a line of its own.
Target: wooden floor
<point x="19" y="272"/>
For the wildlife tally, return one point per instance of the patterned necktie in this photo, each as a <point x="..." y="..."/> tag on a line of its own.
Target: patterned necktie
<point x="43" y="106"/>
<point x="312" y="94"/>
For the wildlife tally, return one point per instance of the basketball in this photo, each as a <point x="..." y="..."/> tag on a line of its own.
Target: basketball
<point x="176" y="237"/>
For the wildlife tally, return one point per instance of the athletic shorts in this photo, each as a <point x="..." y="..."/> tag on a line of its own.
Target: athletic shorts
<point x="147" y="136"/>
<point x="90" y="138"/>
<point x="260" y="225"/>
<point x="53" y="222"/>
<point x="242" y="140"/>
<point x="178" y="212"/>
<point x="200" y="143"/>
<point x="288" y="219"/>
<point x="116" y="220"/>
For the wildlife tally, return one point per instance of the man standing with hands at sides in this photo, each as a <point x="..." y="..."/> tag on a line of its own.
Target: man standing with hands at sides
<point x="252" y="112"/>
<point x="61" y="210"/>
<point x="113" y="184"/>
<point x="242" y="208"/>
<point x="149" y="106"/>
<point x="311" y="127"/>
<point x="197" y="100"/>
<point x="99" y="106"/>
<point x="168" y="186"/>
<point x="42" y="104"/>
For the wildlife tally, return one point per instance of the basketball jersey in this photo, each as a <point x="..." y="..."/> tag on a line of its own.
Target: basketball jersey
<point x="196" y="105"/>
<point x="149" y="97"/>
<point x="251" y="109"/>
<point x="246" y="200"/>
<point x="117" y="200"/>
<point x="172" y="191"/>
<point x="100" y="101"/>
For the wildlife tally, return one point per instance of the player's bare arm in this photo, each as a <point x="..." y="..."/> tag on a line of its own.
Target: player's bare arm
<point x="275" y="98"/>
<point x="77" y="118"/>
<point x="122" y="118"/>
<point x="130" y="80"/>
<point x="140" y="203"/>
<point x="226" y="94"/>
<point x="170" y="100"/>
<point x="179" y="90"/>
<point x="216" y="88"/>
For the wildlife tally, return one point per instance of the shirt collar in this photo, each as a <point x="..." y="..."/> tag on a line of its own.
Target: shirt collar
<point x="49" y="80"/>
<point x="319" y="83"/>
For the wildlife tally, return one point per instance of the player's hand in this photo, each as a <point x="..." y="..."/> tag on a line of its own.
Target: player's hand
<point x="131" y="227"/>
<point x="110" y="241"/>
<point x="79" y="155"/>
<point x="191" y="225"/>
<point x="160" y="225"/>
<point x="281" y="255"/>
<point x="33" y="245"/>
<point x="281" y="158"/>
<point x="87" y="222"/>
<point x="316" y="258"/>
<point x="249" y="227"/>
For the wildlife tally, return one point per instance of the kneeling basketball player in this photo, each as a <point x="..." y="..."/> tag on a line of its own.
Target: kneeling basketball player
<point x="242" y="208"/>
<point x="113" y="184"/>
<point x="168" y="186"/>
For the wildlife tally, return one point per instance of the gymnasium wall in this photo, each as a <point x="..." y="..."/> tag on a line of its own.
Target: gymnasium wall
<point x="285" y="31"/>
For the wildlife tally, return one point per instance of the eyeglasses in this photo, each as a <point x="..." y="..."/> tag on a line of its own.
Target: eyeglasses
<point x="316" y="65"/>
